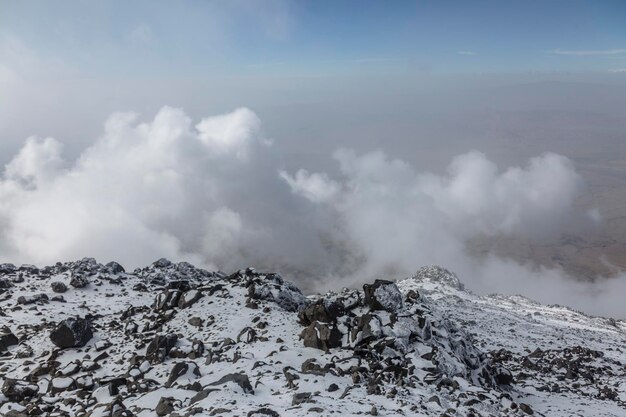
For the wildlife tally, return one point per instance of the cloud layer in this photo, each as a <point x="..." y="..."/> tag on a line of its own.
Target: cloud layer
<point x="214" y="193"/>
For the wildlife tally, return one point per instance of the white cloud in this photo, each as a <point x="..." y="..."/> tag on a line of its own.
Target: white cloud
<point x="229" y="134"/>
<point x="315" y="187"/>
<point x="469" y="53"/>
<point x="214" y="194"/>
<point x="618" y="70"/>
<point x="590" y="52"/>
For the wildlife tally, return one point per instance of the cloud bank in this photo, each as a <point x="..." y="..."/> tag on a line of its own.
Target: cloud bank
<point x="215" y="193"/>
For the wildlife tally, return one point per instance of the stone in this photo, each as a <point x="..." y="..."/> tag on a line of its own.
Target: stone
<point x="79" y="281"/>
<point x="321" y="336"/>
<point x="58" y="286"/>
<point x="7" y="338"/>
<point x="165" y="406"/>
<point x="382" y="295"/>
<point x="160" y="347"/>
<point x="17" y="391"/>
<point x="240" y="379"/>
<point x="72" y="332"/>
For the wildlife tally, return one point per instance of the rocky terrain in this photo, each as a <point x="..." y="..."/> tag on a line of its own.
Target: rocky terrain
<point x="86" y="339"/>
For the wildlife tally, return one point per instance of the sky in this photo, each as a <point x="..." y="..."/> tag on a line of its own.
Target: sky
<point x="296" y="38"/>
<point x="332" y="141"/>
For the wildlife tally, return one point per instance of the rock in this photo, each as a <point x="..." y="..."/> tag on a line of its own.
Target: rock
<point x="301" y="397"/>
<point x="160" y="347"/>
<point x="162" y="263"/>
<point x="196" y="321"/>
<point x="7" y="268"/>
<point x="60" y="384"/>
<point x="165" y="407"/>
<point x="240" y="379"/>
<point x="274" y="288"/>
<point x="18" y="391"/>
<point x="180" y="369"/>
<point x="202" y="395"/>
<point x="263" y="412"/>
<point x="321" y="336"/>
<point x="31" y="299"/>
<point x="58" y="286"/>
<point x="79" y="281"/>
<point x="310" y="366"/>
<point x="72" y="332"/>
<point x="188" y="298"/>
<point x="439" y="275"/>
<point x="526" y="408"/>
<point x="503" y="376"/>
<point x="382" y="295"/>
<point x="114" y="268"/>
<point x="7" y="338"/>
<point x="326" y="312"/>
<point x="332" y="388"/>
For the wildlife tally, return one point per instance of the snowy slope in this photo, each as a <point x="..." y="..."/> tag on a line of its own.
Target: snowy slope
<point x="171" y="339"/>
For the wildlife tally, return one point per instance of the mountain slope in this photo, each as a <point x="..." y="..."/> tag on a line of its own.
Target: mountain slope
<point x="85" y="339"/>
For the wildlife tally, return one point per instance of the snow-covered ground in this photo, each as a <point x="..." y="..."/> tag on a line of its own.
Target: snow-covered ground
<point x="170" y="339"/>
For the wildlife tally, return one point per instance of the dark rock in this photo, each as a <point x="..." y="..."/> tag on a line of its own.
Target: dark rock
<point x="263" y="412"/>
<point x="165" y="406"/>
<point x="332" y="388"/>
<point x="180" y="369"/>
<point x="72" y="332"/>
<point x="503" y="376"/>
<point x="7" y="269"/>
<point x="162" y="263"/>
<point x="31" y="299"/>
<point x="160" y="347"/>
<point x="382" y="295"/>
<point x="115" y="268"/>
<point x="202" y="395"/>
<point x="326" y="312"/>
<point x="58" y="286"/>
<point x="79" y="281"/>
<point x="526" y="408"/>
<point x="17" y="391"/>
<point x="310" y="366"/>
<point x="7" y="338"/>
<point x="301" y="397"/>
<point x="195" y="321"/>
<point x="321" y="336"/>
<point x="240" y="379"/>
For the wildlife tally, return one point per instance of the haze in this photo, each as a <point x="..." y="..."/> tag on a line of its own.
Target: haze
<point x="333" y="142"/>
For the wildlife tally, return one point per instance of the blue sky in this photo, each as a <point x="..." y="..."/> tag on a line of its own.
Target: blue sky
<point x="274" y="37"/>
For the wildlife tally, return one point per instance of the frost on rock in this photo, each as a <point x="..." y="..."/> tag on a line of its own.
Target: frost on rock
<point x="272" y="287"/>
<point x="438" y="275"/>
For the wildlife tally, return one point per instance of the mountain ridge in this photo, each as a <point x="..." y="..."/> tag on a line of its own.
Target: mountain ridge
<point x="87" y="339"/>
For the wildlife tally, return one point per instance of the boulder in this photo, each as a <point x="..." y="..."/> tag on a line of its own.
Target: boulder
<point x="79" y="281"/>
<point x="382" y="295"/>
<point x="180" y="369"/>
<point x="188" y="298"/>
<point x="17" y="391"/>
<point x="321" y="336"/>
<point x="160" y="347"/>
<point x="165" y="407"/>
<point x="31" y="299"/>
<point x="72" y="332"/>
<point x="58" y="286"/>
<point x="114" y="268"/>
<point x="7" y="338"/>
<point x="240" y="379"/>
